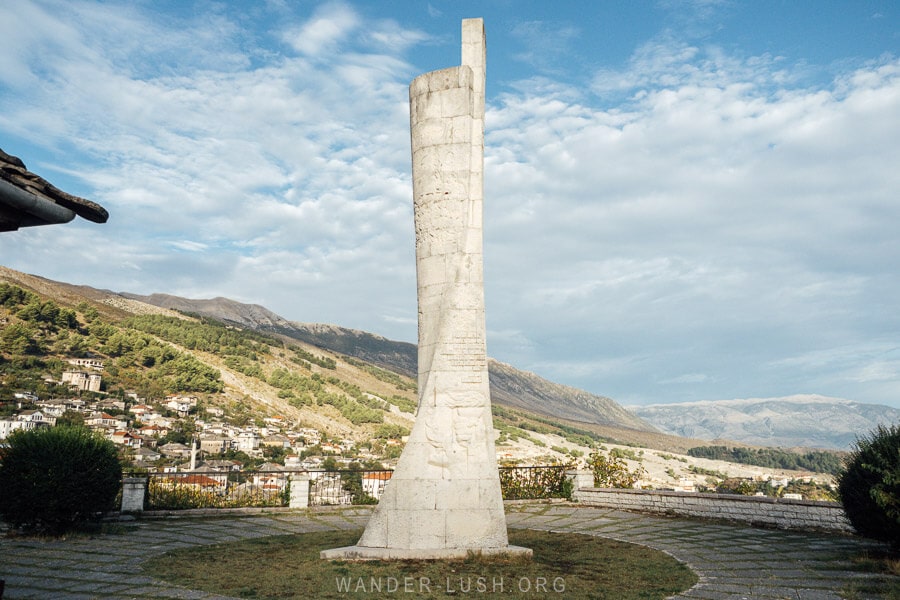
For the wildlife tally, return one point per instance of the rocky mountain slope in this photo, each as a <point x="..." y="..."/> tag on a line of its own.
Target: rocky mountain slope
<point x="332" y="391"/>
<point x="811" y="421"/>
<point x="509" y="386"/>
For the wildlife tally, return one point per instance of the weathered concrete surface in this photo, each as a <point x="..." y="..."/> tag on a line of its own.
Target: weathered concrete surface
<point x="133" y="490"/>
<point x="444" y="498"/>
<point x="772" y="512"/>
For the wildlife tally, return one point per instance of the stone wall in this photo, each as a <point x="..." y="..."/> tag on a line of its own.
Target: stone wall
<point x="753" y="510"/>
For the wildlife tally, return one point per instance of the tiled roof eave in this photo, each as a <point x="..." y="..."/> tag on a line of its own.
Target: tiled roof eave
<point x="20" y="208"/>
<point x="26" y="199"/>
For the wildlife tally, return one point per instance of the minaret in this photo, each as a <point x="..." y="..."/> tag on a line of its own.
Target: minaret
<point x="193" y="454"/>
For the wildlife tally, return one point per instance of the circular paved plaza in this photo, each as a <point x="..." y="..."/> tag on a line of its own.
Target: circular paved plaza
<point x="732" y="561"/>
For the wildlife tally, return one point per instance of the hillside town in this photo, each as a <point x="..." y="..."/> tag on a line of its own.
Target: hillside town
<point x="181" y="432"/>
<point x="186" y="433"/>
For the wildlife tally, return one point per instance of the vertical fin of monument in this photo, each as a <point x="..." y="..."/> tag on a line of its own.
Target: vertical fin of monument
<point x="444" y="498"/>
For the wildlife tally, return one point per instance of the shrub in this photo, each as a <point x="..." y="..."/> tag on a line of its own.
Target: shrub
<point x="170" y="494"/>
<point x="54" y="478"/>
<point x="612" y="471"/>
<point x="869" y="484"/>
<point x="519" y="483"/>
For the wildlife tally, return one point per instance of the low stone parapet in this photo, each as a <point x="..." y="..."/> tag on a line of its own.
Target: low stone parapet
<point x="753" y="510"/>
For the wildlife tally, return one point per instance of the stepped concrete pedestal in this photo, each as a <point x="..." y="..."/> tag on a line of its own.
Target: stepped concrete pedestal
<point x="444" y="500"/>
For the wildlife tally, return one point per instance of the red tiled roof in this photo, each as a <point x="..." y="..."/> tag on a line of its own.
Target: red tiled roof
<point x="195" y="480"/>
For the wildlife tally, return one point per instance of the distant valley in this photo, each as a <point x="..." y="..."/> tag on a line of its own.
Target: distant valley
<point x="810" y="421"/>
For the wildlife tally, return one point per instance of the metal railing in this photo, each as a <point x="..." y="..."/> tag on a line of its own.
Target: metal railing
<point x="217" y="489"/>
<point x="346" y="487"/>
<point x="238" y="489"/>
<point x="531" y="483"/>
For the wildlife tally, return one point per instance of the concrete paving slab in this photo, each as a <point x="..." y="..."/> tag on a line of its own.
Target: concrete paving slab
<point x="732" y="561"/>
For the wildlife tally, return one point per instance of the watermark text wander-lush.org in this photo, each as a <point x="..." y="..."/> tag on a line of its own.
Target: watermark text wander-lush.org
<point x="464" y="584"/>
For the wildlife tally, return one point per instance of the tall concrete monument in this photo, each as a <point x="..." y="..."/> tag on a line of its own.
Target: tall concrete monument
<point x="444" y="498"/>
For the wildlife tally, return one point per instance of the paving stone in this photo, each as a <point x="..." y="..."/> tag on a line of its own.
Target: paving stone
<point x="732" y="561"/>
<point x="763" y="591"/>
<point x="806" y="594"/>
<point x="711" y="594"/>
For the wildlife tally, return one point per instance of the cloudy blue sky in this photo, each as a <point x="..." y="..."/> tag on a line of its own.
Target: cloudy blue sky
<point x="685" y="200"/>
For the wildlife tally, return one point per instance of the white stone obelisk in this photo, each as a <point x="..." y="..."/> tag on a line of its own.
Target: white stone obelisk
<point x="444" y="498"/>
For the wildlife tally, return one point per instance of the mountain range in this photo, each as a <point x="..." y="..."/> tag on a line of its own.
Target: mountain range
<point x="810" y="421"/>
<point x="807" y="421"/>
<point x="509" y="386"/>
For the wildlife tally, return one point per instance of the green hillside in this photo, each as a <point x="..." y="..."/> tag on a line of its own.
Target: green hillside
<point x="152" y="356"/>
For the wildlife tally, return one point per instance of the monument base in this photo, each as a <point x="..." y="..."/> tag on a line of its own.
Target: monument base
<point x="360" y="553"/>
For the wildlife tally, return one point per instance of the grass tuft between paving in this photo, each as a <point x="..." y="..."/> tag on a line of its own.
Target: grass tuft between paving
<point x="884" y="566"/>
<point x="565" y="565"/>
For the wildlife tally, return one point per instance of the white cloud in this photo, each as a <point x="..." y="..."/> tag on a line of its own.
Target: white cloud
<point x="693" y="221"/>
<point x="290" y="168"/>
<point x="718" y="204"/>
<point x="391" y="36"/>
<point x="669" y="62"/>
<point x="321" y="35"/>
<point x="546" y="44"/>
<point x="189" y="246"/>
<point x="883" y="370"/>
<point x="688" y="378"/>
